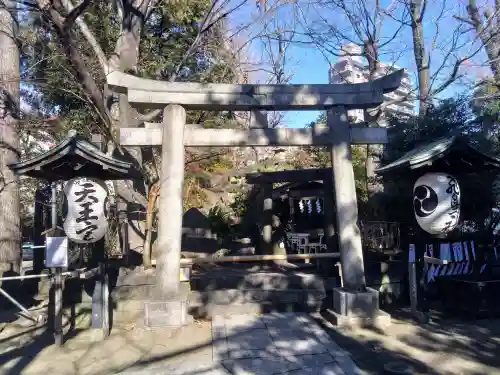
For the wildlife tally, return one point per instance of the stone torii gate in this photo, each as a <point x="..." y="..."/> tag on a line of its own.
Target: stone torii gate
<point x="173" y="135"/>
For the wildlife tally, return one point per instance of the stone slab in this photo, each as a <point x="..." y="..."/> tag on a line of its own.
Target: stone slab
<point x="250" y="340"/>
<point x="260" y="366"/>
<point x="280" y="343"/>
<point x="380" y="319"/>
<point x="166" y="313"/>
<point x="343" y="359"/>
<point x="293" y="342"/>
<point x="311" y="360"/>
<point x="286" y="320"/>
<point x="268" y="353"/>
<point x="308" y="297"/>
<point x="327" y="369"/>
<point x="349" y="303"/>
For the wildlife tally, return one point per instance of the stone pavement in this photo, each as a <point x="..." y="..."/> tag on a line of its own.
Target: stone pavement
<point x="287" y="344"/>
<point x="279" y="343"/>
<point x="292" y="344"/>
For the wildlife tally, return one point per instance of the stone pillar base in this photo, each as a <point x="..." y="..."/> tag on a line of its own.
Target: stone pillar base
<point x="357" y="309"/>
<point x="167" y="314"/>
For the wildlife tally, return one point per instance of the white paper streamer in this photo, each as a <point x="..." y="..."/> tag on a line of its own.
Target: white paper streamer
<point x="301" y="206"/>
<point x="318" y="206"/>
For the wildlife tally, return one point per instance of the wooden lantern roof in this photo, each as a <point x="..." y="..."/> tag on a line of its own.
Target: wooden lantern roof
<point x="75" y="157"/>
<point x="454" y="154"/>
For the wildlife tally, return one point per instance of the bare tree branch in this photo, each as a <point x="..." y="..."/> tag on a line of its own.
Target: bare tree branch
<point x="89" y="36"/>
<point x="75" y="13"/>
<point x="487" y="31"/>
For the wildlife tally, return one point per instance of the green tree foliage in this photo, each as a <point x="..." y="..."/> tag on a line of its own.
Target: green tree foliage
<point x="320" y="158"/>
<point x="451" y="117"/>
<point x="220" y="221"/>
<point x="486" y="106"/>
<point x="54" y="86"/>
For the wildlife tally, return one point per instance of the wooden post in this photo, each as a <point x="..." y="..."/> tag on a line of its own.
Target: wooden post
<point x="58" y="303"/>
<point x="58" y="282"/>
<point x="170" y="202"/>
<point x="100" y="302"/>
<point x="267" y="216"/>
<point x="291" y="203"/>
<point x="349" y="238"/>
<point x="328" y="268"/>
<point x="412" y="278"/>
<point x="38" y="228"/>
<point x="329" y="214"/>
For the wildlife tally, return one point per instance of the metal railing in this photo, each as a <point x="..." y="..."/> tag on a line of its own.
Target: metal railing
<point x="37" y="319"/>
<point x="100" y="299"/>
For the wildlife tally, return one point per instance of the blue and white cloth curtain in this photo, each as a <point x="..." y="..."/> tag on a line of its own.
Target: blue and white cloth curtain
<point x="461" y="255"/>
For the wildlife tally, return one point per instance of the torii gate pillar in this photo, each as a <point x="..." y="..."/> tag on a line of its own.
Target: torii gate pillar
<point x="169" y="306"/>
<point x="353" y="303"/>
<point x="170" y="208"/>
<point x="346" y="212"/>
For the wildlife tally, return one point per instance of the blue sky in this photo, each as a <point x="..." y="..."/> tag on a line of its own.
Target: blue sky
<point x="307" y="63"/>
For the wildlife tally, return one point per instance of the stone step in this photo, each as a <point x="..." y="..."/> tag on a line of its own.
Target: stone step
<point x="249" y="308"/>
<point x="259" y="280"/>
<point x="235" y="301"/>
<point x="231" y="291"/>
<point x="242" y="296"/>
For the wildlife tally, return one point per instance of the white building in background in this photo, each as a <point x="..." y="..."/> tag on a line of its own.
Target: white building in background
<point x="351" y="68"/>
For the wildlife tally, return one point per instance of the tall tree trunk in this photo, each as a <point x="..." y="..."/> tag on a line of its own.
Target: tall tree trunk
<point x="371" y="116"/>
<point x="10" y="238"/>
<point x="417" y="9"/>
<point x="489" y="33"/>
<point x="125" y="59"/>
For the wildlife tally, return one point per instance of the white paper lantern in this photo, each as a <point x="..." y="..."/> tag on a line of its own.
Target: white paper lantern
<point x="87" y="207"/>
<point x="436" y="202"/>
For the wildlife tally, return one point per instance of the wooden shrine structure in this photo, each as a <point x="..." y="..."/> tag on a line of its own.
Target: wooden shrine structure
<point x="466" y="261"/>
<point x="173" y="134"/>
<point x="303" y="203"/>
<point x="266" y="180"/>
